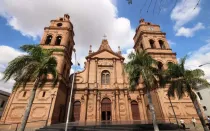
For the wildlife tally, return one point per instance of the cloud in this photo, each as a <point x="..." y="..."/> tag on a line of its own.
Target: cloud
<point x="200" y="57"/>
<point x="7" y="54"/>
<point x="91" y="20"/>
<point x="183" y="13"/>
<point x="189" y="32"/>
<point x="171" y="43"/>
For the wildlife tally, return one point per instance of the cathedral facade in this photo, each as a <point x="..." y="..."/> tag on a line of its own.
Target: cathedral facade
<point x="101" y="91"/>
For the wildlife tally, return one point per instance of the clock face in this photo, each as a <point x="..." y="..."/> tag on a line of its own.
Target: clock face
<point x="151" y="28"/>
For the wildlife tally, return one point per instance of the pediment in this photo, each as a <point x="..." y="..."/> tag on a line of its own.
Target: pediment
<point x="105" y="54"/>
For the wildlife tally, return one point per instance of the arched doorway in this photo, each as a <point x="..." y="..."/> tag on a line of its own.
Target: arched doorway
<point x="135" y="110"/>
<point x="106" y="109"/>
<point x="76" y="111"/>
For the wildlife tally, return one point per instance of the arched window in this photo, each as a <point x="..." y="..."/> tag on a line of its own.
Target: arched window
<point x="152" y="44"/>
<point x="48" y="40"/>
<point x="162" y="46"/>
<point x="105" y="77"/>
<point x="160" y="66"/>
<point x="76" y="111"/>
<point x="58" y="40"/>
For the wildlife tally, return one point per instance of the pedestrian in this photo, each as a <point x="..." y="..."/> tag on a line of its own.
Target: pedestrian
<point x="208" y="119"/>
<point x="182" y="123"/>
<point x="193" y="121"/>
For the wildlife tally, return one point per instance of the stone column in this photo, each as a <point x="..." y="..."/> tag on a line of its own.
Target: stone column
<point x="127" y="104"/>
<point x="53" y="39"/>
<point x="143" y="105"/>
<point x="117" y="106"/>
<point x="141" y="113"/>
<point x="96" y="64"/>
<point x="157" y="45"/>
<point x="98" y="106"/>
<point x="95" y="104"/>
<point x="122" y="64"/>
<point x="88" y="69"/>
<point x="115" y="72"/>
<point x="113" y="108"/>
<point x="84" y="111"/>
<point x="129" y="107"/>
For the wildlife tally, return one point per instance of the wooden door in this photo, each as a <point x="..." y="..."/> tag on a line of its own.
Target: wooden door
<point x="76" y="111"/>
<point x="106" y="109"/>
<point x="135" y="110"/>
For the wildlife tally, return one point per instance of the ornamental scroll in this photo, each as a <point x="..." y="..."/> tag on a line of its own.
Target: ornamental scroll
<point x="105" y="63"/>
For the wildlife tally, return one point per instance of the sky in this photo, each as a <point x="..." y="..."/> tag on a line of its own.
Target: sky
<point x="185" y="22"/>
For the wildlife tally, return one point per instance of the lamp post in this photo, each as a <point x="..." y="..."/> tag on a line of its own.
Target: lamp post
<point x="52" y="97"/>
<point x="70" y="98"/>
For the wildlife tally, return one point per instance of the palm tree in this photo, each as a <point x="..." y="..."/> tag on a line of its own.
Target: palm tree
<point x="31" y="67"/>
<point x="183" y="81"/>
<point x="142" y="67"/>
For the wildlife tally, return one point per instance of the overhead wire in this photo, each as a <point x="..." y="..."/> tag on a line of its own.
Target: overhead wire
<point x="160" y="7"/>
<point x="154" y="7"/>
<point x="149" y="6"/>
<point x="143" y="6"/>
<point x="196" y="5"/>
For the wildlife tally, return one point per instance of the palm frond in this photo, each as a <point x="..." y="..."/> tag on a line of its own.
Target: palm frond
<point x="36" y="63"/>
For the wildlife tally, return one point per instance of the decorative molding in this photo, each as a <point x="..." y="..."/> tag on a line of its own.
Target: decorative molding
<point x="105" y="63"/>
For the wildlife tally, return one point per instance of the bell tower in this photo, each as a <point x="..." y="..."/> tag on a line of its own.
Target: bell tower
<point x="50" y="103"/>
<point x="60" y="35"/>
<point x="150" y="38"/>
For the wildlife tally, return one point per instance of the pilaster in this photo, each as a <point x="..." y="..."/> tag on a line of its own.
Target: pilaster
<point x="127" y="104"/>
<point x="113" y="108"/>
<point x="117" y="106"/>
<point x="95" y="104"/>
<point x="96" y="64"/>
<point x="129" y="107"/>
<point x="143" y="106"/>
<point x="84" y="110"/>
<point x="98" y="106"/>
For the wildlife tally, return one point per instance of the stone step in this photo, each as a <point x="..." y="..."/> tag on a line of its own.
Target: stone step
<point x="109" y="127"/>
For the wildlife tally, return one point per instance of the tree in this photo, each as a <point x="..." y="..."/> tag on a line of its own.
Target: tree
<point x="183" y="81"/>
<point x="142" y="67"/>
<point x="35" y="67"/>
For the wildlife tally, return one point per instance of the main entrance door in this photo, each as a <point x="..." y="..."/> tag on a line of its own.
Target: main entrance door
<point x="106" y="110"/>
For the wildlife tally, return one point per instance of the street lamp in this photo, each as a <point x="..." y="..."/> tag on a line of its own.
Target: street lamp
<point x="72" y="86"/>
<point x="52" y="97"/>
<point x="203" y="64"/>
